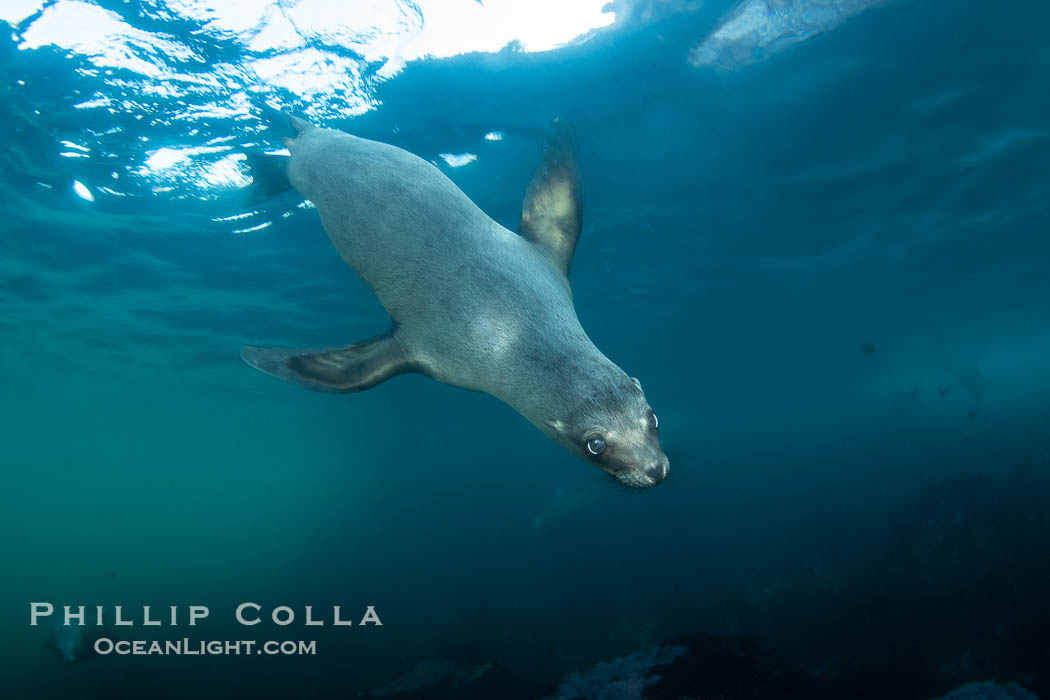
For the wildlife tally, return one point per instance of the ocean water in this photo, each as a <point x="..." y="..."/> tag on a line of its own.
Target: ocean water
<point x="816" y="231"/>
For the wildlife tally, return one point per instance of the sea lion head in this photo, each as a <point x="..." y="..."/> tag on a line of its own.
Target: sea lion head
<point x="615" y="429"/>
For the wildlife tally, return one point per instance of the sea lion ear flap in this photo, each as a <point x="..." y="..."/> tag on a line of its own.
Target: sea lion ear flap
<point x="551" y="216"/>
<point x="556" y="425"/>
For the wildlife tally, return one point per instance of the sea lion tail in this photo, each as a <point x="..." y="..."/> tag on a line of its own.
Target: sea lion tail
<point x="300" y="125"/>
<point x="288" y="126"/>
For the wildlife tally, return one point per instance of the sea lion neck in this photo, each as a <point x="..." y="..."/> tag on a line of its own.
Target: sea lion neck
<point x="559" y="378"/>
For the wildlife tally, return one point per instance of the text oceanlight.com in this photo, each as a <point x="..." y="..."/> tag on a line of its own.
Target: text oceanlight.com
<point x="188" y="647"/>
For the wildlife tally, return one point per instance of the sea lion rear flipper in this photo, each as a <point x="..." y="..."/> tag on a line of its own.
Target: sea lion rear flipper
<point x="551" y="215"/>
<point x="352" y="368"/>
<point x="269" y="173"/>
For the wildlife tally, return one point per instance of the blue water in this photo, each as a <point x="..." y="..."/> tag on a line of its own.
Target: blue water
<point x="822" y="248"/>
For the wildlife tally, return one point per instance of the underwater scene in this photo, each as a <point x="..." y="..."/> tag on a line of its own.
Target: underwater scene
<point x="525" y="349"/>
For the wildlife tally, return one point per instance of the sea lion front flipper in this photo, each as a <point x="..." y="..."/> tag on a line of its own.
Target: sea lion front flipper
<point x="551" y="215"/>
<point x="352" y="368"/>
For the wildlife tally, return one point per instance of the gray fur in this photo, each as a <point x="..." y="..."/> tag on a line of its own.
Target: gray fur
<point x="473" y="304"/>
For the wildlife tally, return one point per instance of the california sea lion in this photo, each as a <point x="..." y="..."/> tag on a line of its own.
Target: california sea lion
<point x="473" y="304"/>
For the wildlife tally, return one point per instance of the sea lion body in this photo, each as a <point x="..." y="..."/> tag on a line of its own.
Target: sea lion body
<point x="473" y="304"/>
<point x="460" y="287"/>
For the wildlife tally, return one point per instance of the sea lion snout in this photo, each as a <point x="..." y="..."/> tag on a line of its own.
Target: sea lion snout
<point x="644" y="477"/>
<point x="658" y="471"/>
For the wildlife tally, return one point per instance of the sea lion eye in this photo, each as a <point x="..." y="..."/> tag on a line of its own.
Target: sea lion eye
<point x="596" y="445"/>
<point x="654" y="423"/>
